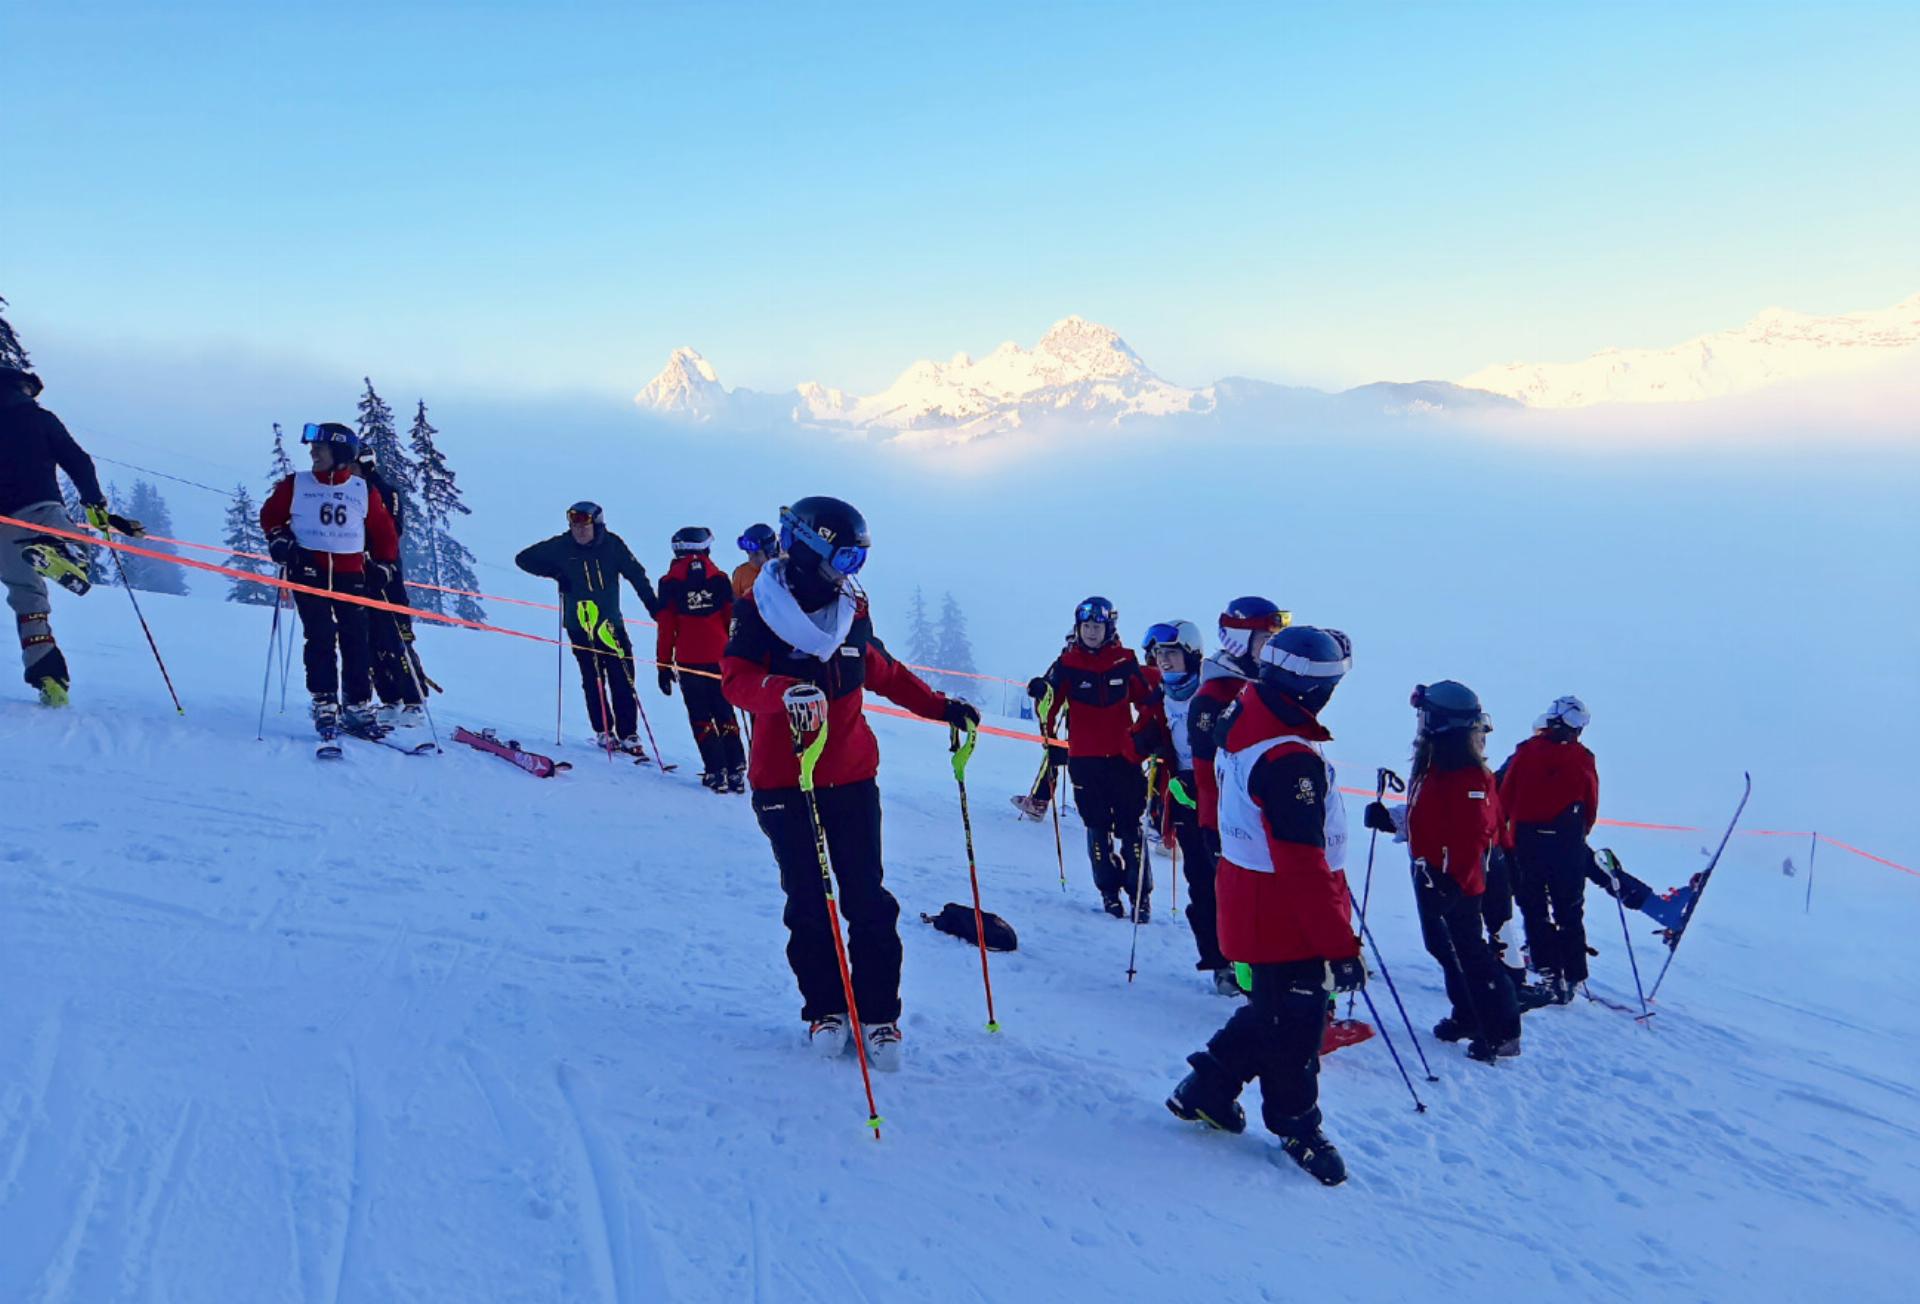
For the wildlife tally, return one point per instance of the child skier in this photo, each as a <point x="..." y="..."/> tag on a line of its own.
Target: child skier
<point x="1283" y="913"/>
<point x="328" y="530"/>
<point x="696" y="606"/>
<point x="805" y="623"/>
<point x="1113" y="722"/>
<point x="1175" y="649"/>
<point x="1550" y="797"/>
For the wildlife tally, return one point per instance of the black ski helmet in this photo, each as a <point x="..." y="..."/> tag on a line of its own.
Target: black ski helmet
<point x="1306" y="663"/>
<point x="1247" y="616"/>
<point x="1449" y="705"/>
<point x="28" y="383"/>
<point x="690" y="540"/>
<point x="828" y="532"/>
<point x="588" y="511"/>
<point x="342" y="443"/>
<point x="758" y="539"/>
<point x="1100" y="609"/>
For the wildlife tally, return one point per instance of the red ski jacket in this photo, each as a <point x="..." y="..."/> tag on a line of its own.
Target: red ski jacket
<point x="760" y="666"/>
<point x="696" y="606"/>
<point x="1292" y="906"/>
<point x="1219" y="686"/>
<point x="1545" y="779"/>
<point x="1453" y="820"/>
<point x="383" y="541"/>
<point x="1111" y="708"/>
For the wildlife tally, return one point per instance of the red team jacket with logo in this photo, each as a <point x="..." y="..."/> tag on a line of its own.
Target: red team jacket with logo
<point x="696" y="606"/>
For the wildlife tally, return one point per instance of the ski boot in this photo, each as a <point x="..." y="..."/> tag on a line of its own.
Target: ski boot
<point x="1485" y="1051"/>
<point x="53" y="691"/>
<point x="1313" y="1152"/>
<point x="713" y="780"/>
<point x="630" y="746"/>
<point x="827" y="1036"/>
<point x="737" y="779"/>
<point x="57" y="560"/>
<point x="326" y="714"/>
<point x="411" y="716"/>
<point x="1205" y="1096"/>
<point x="606" y="740"/>
<point x="1451" y="1029"/>
<point x="387" y="715"/>
<point x="1533" y="996"/>
<point x="1143" y="910"/>
<point x="361" y="718"/>
<point x="1029" y="807"/>
<point x="883" y="1047"/>
<point x="1226" y="982"/>
<point x="1563" y="991"/>
<point x="1110" y="902"/>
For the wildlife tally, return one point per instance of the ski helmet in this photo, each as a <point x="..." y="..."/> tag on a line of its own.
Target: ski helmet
<point x="1099" y="609"/>
<point x="1245" y="617"/>
<point x="368" y="456"/>
<point x="1449" y="705"/>
<point x="28" y="383"/>
<point x="586" y="512"/>
<point x="691" y="539"/>
<point x="1568" y="711"/>
<point x="1306" y="663"/>
<point x="343" y="445"/>
<point x="1174" y="633"/>
<point x="827" y="532"/>
<point x="758" y="539"/>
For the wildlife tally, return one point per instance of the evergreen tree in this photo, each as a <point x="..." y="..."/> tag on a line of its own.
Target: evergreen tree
<point x="953" y="650"/>
<point x="921" y="646"/>
<point x="12" y="352"/>
<point x="150" y="509"/>
<point x="282" y="466"/>
<point x="396" y="468"/>
<point x="440" y="558"/>
<point x="244" y="536"/>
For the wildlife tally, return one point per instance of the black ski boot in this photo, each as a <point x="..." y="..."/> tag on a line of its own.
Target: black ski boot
<point x="1485" y="1051"/>
<point x="1110" y="902"/>
<point x="737" y="779"/>
<point x="326" y="715"/>
<point x="1205" y="1096"/>
<point x="713" y="780"/>
<point x="1533" y="996"/>
<point x="1144" y="907"/>
<point x="1313" y="1152"/>
<point x="1451" y="1029"/>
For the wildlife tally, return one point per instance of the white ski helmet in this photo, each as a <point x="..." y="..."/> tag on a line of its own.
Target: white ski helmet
<point x="1569" y="711"/>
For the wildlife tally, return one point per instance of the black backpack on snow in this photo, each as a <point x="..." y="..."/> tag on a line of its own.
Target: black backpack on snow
<point x="957" y="921"/>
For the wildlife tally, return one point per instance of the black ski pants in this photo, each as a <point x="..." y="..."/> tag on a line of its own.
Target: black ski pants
<point x="391" y="637"/>
<point x="1551" y="862"/>
<point x="850" y="816"/>
<point x="607" y="681"/>
<point x="715" y="731"/>
<point x="1454" y="930"/>
<point x="1200" y="854"/>
<point x="332" y="628"/>
<point x="1275" y="1037"/>
<point x="1111" y="793"/>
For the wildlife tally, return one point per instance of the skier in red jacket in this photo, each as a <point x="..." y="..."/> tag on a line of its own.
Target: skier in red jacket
<point x="1451" y="823"/>
<point x="805" y="623"/>
<point x="329" y="530"/>
<point x="1114" y="721"/>
<point x="1550" y="798"/>
<point x="1283" y="911"/>
<point x="696" y="606"/>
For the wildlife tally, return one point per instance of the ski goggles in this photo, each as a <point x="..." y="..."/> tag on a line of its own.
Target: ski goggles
<point x="1165" y="632"/>
<point x="844" y="559"/>
<point x="1272" y="623"/>
<point x="1095" y="609"/>
<point x="328" y="432"/>
<point x="583" y="513"/>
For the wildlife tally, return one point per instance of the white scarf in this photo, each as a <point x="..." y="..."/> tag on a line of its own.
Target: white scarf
<point x="820" y="633"/>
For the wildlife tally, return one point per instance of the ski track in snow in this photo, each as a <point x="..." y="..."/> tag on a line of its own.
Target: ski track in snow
<point x="396" y="1029"/>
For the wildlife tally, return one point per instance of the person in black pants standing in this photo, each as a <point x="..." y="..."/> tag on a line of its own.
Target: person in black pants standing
<point x="696" y="608"/>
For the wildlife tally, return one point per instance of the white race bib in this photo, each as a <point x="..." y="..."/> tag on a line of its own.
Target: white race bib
<point x="329" y="517"/>
<point x="1243" y="833"/>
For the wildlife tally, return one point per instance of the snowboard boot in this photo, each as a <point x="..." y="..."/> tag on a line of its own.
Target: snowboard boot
<point x="326" y="714"/>
<point x="883" y="1047"/>
<point x="827" y="1036"/>
<point x="1485" y="1051"/>
<point x="1226" y="982"/>
<point x="56" y="560"/>
<point x="1206" y="1095"/>
<point x="1451" y="1029"/>
<point x="1311" y="1150"/>
<point x="737" y="779"/>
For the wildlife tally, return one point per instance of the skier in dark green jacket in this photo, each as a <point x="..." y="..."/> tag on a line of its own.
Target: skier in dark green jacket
<point x="587" y="562"/>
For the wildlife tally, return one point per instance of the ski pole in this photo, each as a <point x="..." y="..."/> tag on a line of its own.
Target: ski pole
<point x="286" y="648"/>
<point x="807" y="714"/>
<point x="1381" y="964"/>
<point x="641" y="707"/>
<point x="559" y="674"/>
<point x="1686" y="916"/>
<point x="1140" y="878"/>
<point x="1054" y="795"/>
<point x="1171" y="841"/>
<point x="606" y="704"/>
<point x="1419" y="1106"/>
<point x="266" y="680"/>
<point x="961" y="755"/>
<point x="406" y="652"/>
<point x="141" y="617"/>
<point x="1813" y="849"/>
<point x="1613" y="873"/>
<point x="1382" y="779"/>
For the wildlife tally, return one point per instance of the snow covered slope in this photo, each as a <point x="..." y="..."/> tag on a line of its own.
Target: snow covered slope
<point x="411" y="1030"/>
<point x="1778" y="345"/>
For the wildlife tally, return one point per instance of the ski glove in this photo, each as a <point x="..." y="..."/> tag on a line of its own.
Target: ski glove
<point x="1037" y="687"/>
<point x="1436" y="879"/>
<point x="959" y="714"/>
<point x="381" y="574"/>
<point x="1348" y="975"/>
<point x="105" y="521"/>
<point x="666" y="680"/>
<point x="1378" y="817"/>
<point x="284" y="550"/>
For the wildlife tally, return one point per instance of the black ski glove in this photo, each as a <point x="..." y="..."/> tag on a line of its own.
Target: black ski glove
<point x="1348" y="975"/>
<point x="283" y="550"/>
<point x="1378" y="817"/>
<point x="380" y="574"/>
<point x="961" y="715"/>
<point x="666" y="680"/>
<point x="1037" y="687"/>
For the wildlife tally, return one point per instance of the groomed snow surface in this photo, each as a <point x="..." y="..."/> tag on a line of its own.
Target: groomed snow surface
<point x="390" y="1029"/>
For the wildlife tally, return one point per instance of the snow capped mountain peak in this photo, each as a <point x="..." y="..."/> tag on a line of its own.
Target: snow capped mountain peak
<point x="1778" y="344"/>
<point x="687" y="387"/>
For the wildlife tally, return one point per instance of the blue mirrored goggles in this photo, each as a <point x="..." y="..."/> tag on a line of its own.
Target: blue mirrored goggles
<point x="1094" y="611"/>
<point x="1163" y="632"/>
<point x="844" y="560"/>
<point x="749" y="543"/>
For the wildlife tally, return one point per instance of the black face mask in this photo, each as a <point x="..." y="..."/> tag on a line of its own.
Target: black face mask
<point x="809" y="587"/>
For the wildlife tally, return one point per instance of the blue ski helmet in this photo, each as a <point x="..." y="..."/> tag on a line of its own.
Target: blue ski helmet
<point x="1449" y="705"/>
<point x="1245" y="617"/>
<point x="1306" y="663"/>
<point x="758" y="539"/>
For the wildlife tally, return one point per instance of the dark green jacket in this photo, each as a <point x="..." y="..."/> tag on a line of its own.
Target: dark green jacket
<point x="589" y="579"/>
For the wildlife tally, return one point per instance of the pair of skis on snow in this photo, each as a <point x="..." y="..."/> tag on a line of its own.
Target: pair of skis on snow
<point x="329" y="749"/>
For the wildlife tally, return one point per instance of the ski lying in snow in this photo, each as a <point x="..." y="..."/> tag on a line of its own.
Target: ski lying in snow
<point x="1697" y="888"/>
<point x="328" y="749"/>
<point x="1586" y="990"/>
<point x="486" y="740"/>
<point x="380" y="736"/>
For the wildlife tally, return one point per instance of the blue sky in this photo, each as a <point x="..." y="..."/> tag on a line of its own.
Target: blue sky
<point x="551" y="197"/>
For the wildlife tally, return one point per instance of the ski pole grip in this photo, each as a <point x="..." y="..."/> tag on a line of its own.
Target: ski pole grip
<point x="806" y="709"/>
